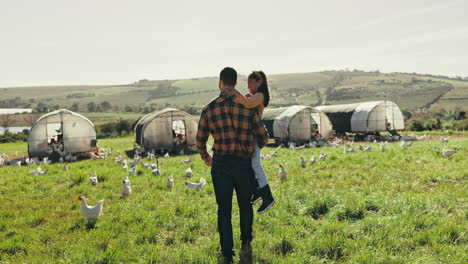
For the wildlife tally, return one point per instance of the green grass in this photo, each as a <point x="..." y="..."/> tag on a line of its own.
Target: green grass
<point x="400" y="206"/>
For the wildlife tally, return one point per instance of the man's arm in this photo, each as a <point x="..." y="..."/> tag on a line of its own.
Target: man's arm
<point x="258" y="129"/>
<point x="203" y="133"/>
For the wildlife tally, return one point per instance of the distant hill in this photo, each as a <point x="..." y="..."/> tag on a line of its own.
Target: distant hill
<point x="409" y="91"/>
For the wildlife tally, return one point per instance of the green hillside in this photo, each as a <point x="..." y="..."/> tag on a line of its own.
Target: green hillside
<point x="330" y="87"/>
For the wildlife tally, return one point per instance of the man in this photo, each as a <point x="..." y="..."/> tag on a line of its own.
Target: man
<point x="234" y="129"/>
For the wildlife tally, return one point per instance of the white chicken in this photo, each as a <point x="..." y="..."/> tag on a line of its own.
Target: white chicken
<point x="187" y="161"/>
<point x="368" y="149"/>
<point x="156" y="171"/>
<point x="61" y="152"/>
<point x="150" y="156"/>
<point x="93" y="179"/>
<point x="132" y="171"/>
<point x="70" y="157"/>
<point x="346" y="151"/>
<point x="95" y="157"/>
<point x="303" y="162"/>
<point x="273" y="154"/>
<point x="299" y="148"/>
<point x="36" y="171"/>
<point x="170" y="182"/>
<point x="90" y="212"/>
<point x="444" y="139"/>
<point x="166" y="155"/>
<point x="313" y="160"/>
<point x="125" y="167"/>
<point x="382" y="147"/>
<point x="402" y="144"/>
<point x="18" y="163"/>
<point x="30" y="161"/>
<point x="196" y="186"/>
<point x="323" y="156"/>
<point x="65" y="167"/>
<point x="134" y="162"/>
<point x="145" y="165"/>
<point x="282" y="172"/>
<point x="448" y="153"/>
<point x="188" y="172"/>
<point x="42" y="173"/>
<point x="126" y="187"/>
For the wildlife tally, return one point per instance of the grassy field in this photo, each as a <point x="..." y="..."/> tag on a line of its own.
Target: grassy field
<point x="400" y="206"/>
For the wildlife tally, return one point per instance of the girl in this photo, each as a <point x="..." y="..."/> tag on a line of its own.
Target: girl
<point x="258" y="97"/>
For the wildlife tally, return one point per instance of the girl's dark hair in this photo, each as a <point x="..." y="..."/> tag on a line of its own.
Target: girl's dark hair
<point x="263" y="88"/>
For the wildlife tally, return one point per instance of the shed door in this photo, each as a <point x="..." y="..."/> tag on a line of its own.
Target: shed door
<point x="179" y="132"/>
<point x="300" y="127"/>
<point x="158" y="134"/>
<point x="53" y="131"/>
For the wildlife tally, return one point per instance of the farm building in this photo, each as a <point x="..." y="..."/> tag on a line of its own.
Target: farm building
<point x="365" y="117"/>
<point x="295" y="123"/>
<point x="166" y="130"/>
<point x="63" y="129"/>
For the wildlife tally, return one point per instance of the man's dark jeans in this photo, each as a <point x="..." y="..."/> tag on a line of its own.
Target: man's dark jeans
<point x="229" y="173"/>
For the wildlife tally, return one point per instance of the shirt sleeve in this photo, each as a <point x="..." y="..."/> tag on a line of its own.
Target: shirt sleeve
<point x="203" y="133"/>
<point x="258" y="129"/>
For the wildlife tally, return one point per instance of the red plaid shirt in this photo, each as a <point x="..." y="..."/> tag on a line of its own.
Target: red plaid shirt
<point x="233" y="127"/>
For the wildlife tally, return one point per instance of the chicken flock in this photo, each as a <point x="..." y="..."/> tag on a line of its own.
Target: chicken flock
<point x="92" y="213"/>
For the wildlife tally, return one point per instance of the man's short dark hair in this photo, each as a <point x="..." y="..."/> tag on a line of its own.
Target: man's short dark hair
<point x="229" y="76"/>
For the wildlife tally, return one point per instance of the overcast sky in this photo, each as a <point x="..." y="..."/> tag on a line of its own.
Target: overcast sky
<point x="64" y="42"/>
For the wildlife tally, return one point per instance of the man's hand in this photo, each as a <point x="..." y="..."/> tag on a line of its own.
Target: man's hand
<point x="208" y="160"/>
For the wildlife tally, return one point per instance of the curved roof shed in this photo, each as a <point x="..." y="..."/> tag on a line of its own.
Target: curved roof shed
<point x="168" y="129"/>
<point x="293" y="123"/>
<point x="74" y="131"/>
<point x="365" y="117"/>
